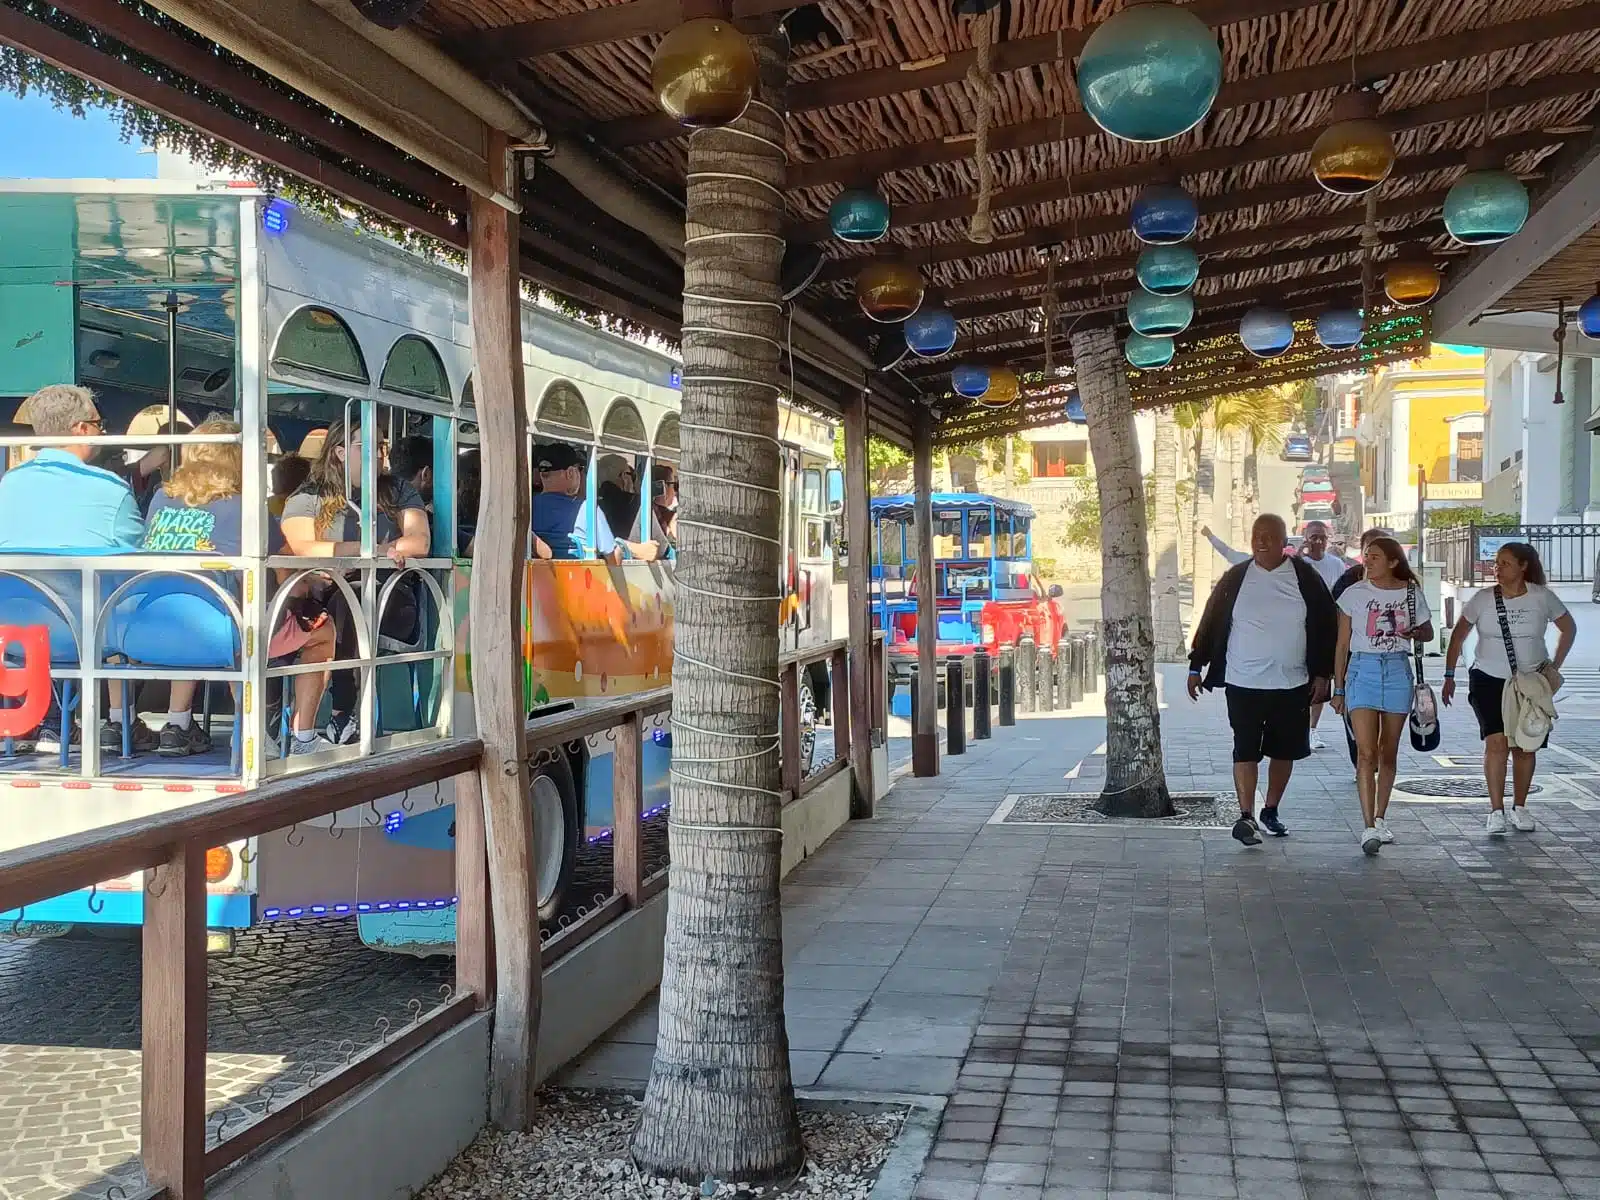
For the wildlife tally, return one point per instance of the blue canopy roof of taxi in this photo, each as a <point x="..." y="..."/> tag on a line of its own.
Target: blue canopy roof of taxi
<point x="903" y="508"/>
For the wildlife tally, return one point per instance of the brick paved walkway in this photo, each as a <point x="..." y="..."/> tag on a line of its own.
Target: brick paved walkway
<point x="1162" y="1013"/>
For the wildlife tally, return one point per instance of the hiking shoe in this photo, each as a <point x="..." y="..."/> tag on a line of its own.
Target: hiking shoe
<point x="1270" y="822"/>
<point x="345" y="733"/>
<point x="1521" y="819"/>
<point x="1244" y="832"/>
<point x="1370" y="841"/>
<point x="144" y="738"/>
<point x="176" y="742"/>
<point x="1385" y="834"/>
<point x="1495" y="826"/>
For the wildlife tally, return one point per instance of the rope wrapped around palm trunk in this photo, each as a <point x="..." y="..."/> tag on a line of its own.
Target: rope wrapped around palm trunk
<point x="981" y="76"/>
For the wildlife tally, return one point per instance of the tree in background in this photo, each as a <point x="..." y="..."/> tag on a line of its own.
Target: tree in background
<point x="1164" y="540"/>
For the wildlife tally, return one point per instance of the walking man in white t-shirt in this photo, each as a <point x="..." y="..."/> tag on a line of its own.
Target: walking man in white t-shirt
<point x="1329" y="567"/>
<point x="1267" y="636"/>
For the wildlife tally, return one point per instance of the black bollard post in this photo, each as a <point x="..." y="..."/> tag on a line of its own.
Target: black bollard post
<point x="1080" y="661"/>
<point x="1063" y="674"/>
<point x="1008" y="686"/>
<point x="1028" y="674"/>
<point x="1047" y="679"/>
<point x="1092" y="684"/>
<point x="955" y="692"/>
<point x="980" y="694"/>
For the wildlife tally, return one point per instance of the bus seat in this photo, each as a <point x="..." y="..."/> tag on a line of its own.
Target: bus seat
<point x="24" y="602"/>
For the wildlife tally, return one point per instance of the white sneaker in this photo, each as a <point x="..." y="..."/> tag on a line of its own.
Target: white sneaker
<point x="1521" y="819"/>
<point x="315" y="745"/>
<point x="1317" y="743"/>
<point x="1495" y="826"/>
<point x="1370" y="841"/>
<point x="1385" y="834"/>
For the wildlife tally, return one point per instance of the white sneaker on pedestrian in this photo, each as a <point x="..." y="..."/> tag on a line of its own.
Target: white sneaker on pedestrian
<point x="1521" y="819"/>
<point x="1370" y="841"/>
<point x="1316" y="741"/>
<point x="1385" y="834"/>
<point x="1495" y="826"/>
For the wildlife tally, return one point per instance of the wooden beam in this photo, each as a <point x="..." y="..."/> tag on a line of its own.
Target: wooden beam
<point x="172" y="1110"/>
<point x="497" y="649"/>
<point x="627" y="811"/>
<point x="1221" y="158"/>
<point x="875" y="83"/>
<point x="925" y="715"/>
<point x="474" y="923"/>
<point x="858" y="531"/>
<point x="1257" y="89"/>
<point x="595" y="27"/>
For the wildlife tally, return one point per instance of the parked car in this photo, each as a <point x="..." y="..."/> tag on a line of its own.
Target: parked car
<point x="1317" y="491"/>
<point x="1297" y="448"/>
<point x="1315" y="512"/>
<point x="1315" y="471"/>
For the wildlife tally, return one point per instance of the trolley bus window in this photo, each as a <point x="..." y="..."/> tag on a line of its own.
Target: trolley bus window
<point x="316" y="340"/>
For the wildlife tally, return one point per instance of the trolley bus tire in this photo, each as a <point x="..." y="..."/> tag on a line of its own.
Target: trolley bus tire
<point x="808" y="723"/>
<point x="558" y="830"/>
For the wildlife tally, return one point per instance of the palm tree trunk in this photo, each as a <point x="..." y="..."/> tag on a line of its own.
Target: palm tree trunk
<point x="1205" y="479"/>
<point x="1239" y="522"/>
<point x="1136" y="783"/>
<point x="720" y="1101"/>
<point x="1164" y="537"/>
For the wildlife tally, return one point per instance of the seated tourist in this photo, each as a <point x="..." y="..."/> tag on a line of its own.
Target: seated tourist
<point x="288" y="474"/>
<point x="559" y="514"/>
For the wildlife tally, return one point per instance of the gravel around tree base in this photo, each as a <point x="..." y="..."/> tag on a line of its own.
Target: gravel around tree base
<point x="579" y="1151"/>
<point x="1196" y="810"/>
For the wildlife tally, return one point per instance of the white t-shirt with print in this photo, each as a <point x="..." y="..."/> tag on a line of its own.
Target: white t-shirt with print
<point x="1267" y="642"/>
<point x="1380" y="618"/>
<point x="1528" y="616"/>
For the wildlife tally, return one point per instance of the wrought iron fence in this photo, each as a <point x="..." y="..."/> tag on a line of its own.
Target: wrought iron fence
<point x="1568" y="551"/>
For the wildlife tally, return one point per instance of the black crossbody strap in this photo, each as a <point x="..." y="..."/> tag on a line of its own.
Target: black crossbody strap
<point x="1411" y="620"/>
<point x="1505" y="628"/>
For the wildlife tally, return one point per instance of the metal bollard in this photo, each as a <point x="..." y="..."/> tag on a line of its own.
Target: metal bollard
<point x="1064" y="674"/>
<point x="1092" y="683"/>
<point x="955" y="694"/>
<point x="1047" y="679"/>
<point x="980" y="694"/>
<point x="1008" y="686"/>
<point x="1028" y="674"/>
<point x="1080" y="662"/>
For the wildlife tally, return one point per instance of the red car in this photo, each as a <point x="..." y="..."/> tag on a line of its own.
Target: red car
<point x="1317" y="492"/>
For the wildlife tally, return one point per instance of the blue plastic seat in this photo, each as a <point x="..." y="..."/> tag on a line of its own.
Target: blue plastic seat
<point x="24" y="602"/>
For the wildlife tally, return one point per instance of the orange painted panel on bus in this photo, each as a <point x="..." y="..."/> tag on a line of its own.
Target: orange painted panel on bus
<point x="594" y="629"/>
<point x="29" y="683"/>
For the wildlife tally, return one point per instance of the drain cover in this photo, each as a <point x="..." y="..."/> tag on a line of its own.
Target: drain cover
<point x="1458" y="787"/>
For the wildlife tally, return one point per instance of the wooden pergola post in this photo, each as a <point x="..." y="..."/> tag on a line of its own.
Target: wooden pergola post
<point x="925" y="717"/>
<point x="858" y="527"/>
<point x="496" y="613"/>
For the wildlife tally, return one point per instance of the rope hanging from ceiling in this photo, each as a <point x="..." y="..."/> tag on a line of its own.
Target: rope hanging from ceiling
<point x="981" y="76"/>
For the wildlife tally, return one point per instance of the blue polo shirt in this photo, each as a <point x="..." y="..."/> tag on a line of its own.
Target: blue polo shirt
<point x="559" y="520"/>
<point x="57" y="502"/>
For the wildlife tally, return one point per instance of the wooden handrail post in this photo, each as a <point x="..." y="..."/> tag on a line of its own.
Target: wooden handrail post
<point x="474" y="923"/>
<point x="840" y="697"/>
<point x="856" y="734"/>
<point x="172" y="1114"/>
<point x="880" y="690"/>
<point x="627" y="799"/>
<point x="789" y="726"/>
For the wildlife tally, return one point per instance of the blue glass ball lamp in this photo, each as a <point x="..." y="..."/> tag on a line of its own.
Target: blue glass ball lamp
<point x="931" y="331"/>
<point x="970" y="380"/>
<point x="1266" y="332"/>
<point x="1486" y="205"/>
<point x="1150" y="72"/>
<point x="1159" y="316"/>
<point x="1148" y="353"/>
<point x="859" y="215"/>
<point x="1167" y="270"/>
<point x="1589" y="314"/>
<point x="1163" y="214"/>
<point x="1339" y="328"/>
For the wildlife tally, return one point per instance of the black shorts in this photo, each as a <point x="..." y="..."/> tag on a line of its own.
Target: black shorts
<point x="1484" y="693"/>
<point x="1270" y="723"/>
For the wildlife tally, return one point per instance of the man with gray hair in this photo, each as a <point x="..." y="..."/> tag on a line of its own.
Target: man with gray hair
<point x="56" y="501"/>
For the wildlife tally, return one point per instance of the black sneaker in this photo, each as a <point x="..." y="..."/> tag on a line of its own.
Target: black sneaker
<point x="1270" y="822"/>
<point x="1244" y="832"/>
<point x="144" y="738"/>
<point x="175" y="742"/>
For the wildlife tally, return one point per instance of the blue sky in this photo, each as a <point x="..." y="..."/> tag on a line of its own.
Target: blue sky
<point x="40" y="141"/>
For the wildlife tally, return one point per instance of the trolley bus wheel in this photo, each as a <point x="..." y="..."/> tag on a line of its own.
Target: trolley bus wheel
<point x="808" y="723"/>
<point x="558" y="830"/>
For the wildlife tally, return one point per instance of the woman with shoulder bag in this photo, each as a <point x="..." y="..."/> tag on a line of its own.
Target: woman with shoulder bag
<point x="1512" y="620"/>
<point x="1380" y="619"/>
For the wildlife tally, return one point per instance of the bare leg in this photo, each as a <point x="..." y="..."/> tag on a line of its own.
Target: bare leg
<point x="1316" y="715"/>
<point x="1245" y="777"/>
<point x="308" y="688"/>
<point x="1364" y="721"/>
<point x="1496" y="749"/>
<point x="1522" y="764"/>
<point x="182" y="695"/>
<point x="1278" y="772"/>
<point x="1388" y="759"/>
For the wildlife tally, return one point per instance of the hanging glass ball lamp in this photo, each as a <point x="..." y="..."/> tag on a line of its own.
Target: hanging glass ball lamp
<point x="704" y="73"/>
<point x="859" y="215"/>
<point x="1163" y="214"/>
<point x="1411" y="278"/>
<point x="1167" y="270"/>
<point x="1150" y="73"/>
<point x="1266" y="332"/>
<point x="889" y="289"/>
<point x="1589" y="314"/>
<point x="1339" y="328"/>
<point x="1159" y="316"/>
<point x="1355" y="153"/>
<point x="931" y="331"/>
<point x="1487" y="205"/>
<point x="970" y="380"/>
<point x="1148" y="353"/>
<point x="1004" y="387"/>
